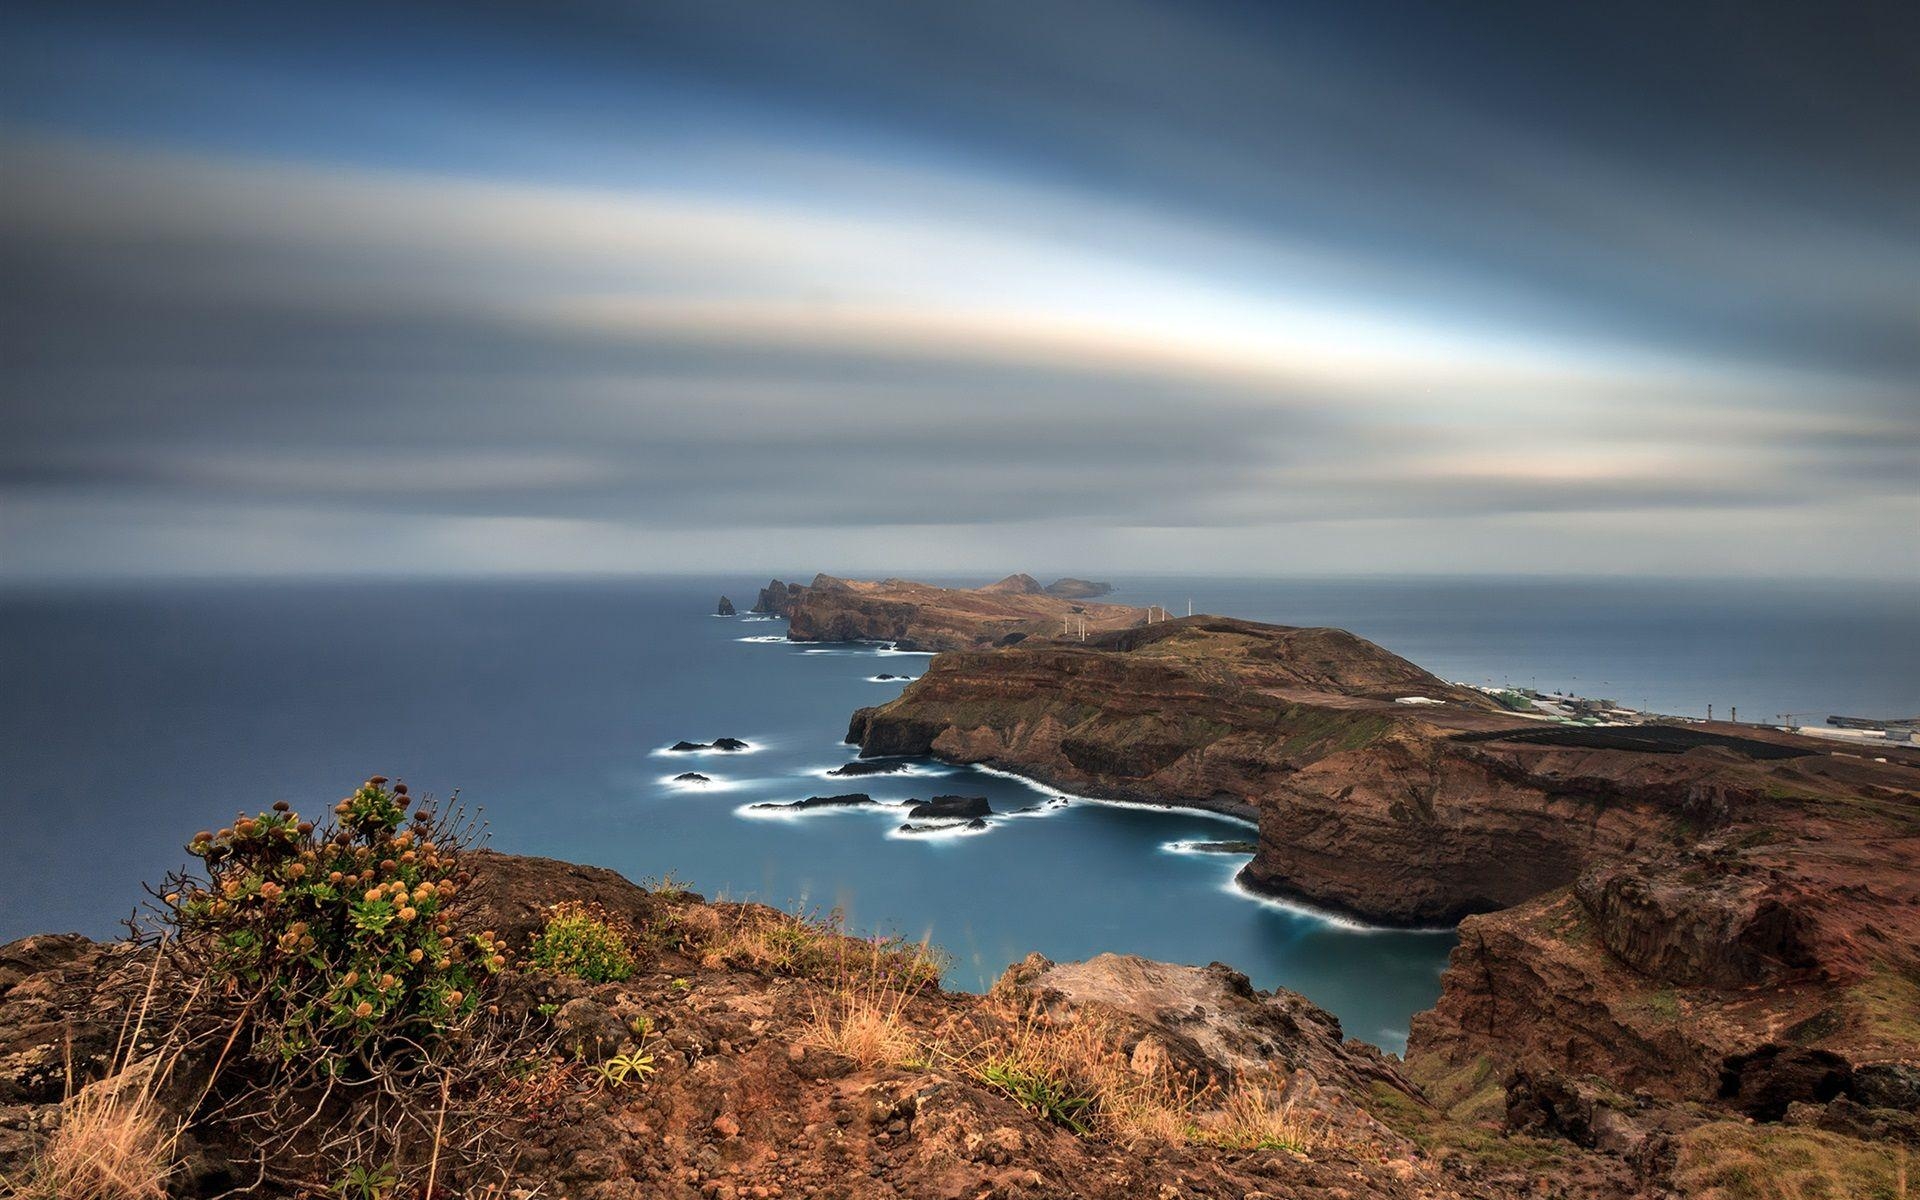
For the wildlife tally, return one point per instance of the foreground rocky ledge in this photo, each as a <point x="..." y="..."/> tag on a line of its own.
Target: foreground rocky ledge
<point x="747" y="1100"/>
<point x="1697" y="913"/>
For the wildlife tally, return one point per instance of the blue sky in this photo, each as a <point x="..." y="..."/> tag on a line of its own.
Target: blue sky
<point x="1118" y="287"/>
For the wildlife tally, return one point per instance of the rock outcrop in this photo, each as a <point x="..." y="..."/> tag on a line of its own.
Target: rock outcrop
<point x="777" y="598"/>
<point x="724" y="608"/>
<point x="920" y="616"/>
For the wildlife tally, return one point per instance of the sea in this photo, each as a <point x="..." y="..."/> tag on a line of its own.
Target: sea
<point x="132" y="716"/>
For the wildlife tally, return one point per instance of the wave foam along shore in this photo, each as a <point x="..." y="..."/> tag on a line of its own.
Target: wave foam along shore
<point x="938" y="831"/>
<point x="1058" y="794"/>
<point x="778" y="810"/>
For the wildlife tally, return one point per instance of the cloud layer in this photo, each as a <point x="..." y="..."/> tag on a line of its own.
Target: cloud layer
<point x="1376" y="328"/>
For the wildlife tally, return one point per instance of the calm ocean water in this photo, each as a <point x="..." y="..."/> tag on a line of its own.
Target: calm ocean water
<point x="130" y="718"/>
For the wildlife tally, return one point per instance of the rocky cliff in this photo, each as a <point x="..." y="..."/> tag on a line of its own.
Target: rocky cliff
<point x="1656" y="901"/>
<point x="778" y="598"/>
<point x="920" y="616"/>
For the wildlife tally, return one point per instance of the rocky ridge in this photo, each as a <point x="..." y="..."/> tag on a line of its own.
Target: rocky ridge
<point x="1641" y="907"/>
<point x="920" y="616"/>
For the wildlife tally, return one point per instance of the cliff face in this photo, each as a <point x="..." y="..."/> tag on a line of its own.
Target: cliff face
<point x="778" y="599"/>
<point x="919" y="616"/>
<point x="1656" y="900"/>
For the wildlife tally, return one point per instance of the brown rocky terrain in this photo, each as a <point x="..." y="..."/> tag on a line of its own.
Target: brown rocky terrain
<point x="1701" y="914"/>
<point x="920" y="616"/>
<point x="755" y="1091"/>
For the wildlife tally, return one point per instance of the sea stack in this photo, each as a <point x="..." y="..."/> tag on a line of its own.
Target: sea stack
<point x="725" y="608"/>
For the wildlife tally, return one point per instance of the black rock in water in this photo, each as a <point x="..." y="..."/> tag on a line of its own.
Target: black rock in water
<point x="1224" y="847"/>
<point x="691" y="777"/>
<point x="683" y="747"/>
<point x="847" y="801"/>
<point x="865" y="767"/>
<point x="729" y="744"/>
<point x="976" y="823"/>
<point x="951" y="808"/>
<point x="884" y="675"/>
<point x="725" y="609"/>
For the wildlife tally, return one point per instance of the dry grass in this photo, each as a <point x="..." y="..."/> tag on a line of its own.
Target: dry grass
<point x="863" y="1015"/>
<point x="113" y="1143"/>
<point x="1258" y="1115"/>
<point x="114" y="1140"/>
<point x="1729" y="1161"/>
<point x="1075" y="1073"/>
<point x="808" y="945"/>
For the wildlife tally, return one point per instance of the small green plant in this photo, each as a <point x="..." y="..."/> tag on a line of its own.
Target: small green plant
<point x="339" y="941"/>
<point x="680" y="985"/>
<point x="669" y="887"/>
<point x="623" y="1069"/>
<point x="1039" y="1094"/>
<point x="584" y="941"/>
<point x="362" y="1182"/>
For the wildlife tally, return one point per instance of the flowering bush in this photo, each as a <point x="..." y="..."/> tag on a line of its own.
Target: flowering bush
<point x="340" y="939"/>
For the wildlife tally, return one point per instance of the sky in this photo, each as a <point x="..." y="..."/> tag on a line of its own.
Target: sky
<point x="611" y="287"/>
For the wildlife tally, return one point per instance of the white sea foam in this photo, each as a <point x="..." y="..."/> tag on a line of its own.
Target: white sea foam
<point x="890" y="679"/>
<point x="1193" y="847"/>
<point x="758" y="810"/>
<point x="912" y="771"/>
<point x="764" y="638"/>
<point x="1058" y="794"/>
<point x="710" y="784"/>
<point x="938" y="831"/>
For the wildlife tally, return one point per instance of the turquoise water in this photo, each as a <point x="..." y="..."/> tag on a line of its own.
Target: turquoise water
<point x="133" y="717"/>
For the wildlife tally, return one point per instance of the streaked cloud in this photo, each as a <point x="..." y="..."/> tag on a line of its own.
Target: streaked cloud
<point x="671" y="349"/>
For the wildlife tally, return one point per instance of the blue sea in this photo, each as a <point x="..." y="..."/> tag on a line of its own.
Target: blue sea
<point x="132" y="716"/>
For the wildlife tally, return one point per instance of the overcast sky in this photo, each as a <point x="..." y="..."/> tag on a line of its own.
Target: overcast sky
<point x="1100" y="287"/>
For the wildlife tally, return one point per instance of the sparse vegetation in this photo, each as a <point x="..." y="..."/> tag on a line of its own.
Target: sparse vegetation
<point x="584" y="941"/>
<point x="1739" y="1161"/>
<point x="863" y="1014"/>
<point x="114" y="1141"/>
<point x="1258" y="1115"/>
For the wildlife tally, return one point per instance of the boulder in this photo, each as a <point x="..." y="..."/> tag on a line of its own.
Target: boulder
<point x="862" y="766"/>
<point x="1763" y="1083"/>
<point x="954" y="808"/>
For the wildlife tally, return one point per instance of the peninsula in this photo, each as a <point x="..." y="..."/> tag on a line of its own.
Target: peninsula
<point x="921" y="616"/>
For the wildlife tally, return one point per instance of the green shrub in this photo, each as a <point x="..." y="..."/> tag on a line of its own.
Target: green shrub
<point x="339" y="940"/>
<point x="1041" y="1094"/>
<point x="583" y="941"/>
